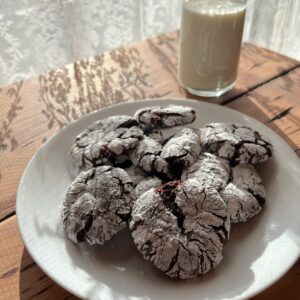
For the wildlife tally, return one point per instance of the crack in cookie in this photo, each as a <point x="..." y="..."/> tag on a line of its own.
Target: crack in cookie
<point x="106" y="141"/>
<point x="245" y="194"/>
<point x="238" y="143"/>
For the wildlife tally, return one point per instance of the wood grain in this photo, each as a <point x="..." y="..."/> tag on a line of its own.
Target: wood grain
<point x="267" y="88"/>
<point x="10" y="255"/>
<point x="276" y="104"/>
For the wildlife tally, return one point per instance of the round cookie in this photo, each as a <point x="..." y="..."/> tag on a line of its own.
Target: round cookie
<point x="211" y="171"/>
<point x="106" y="141"/>
<point x="238" y="143"/>
<point x="245" y="194"/>
<point x="147" y="156"/>
<point x="168" y="116"/>
<point x="181" y="150"/>
<point x="147" y="184"/>
<point x="97" y="205"/>
<point x="181" y="228"/>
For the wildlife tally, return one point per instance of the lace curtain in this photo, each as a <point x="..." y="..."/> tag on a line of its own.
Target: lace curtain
<point x="39" y="35"/>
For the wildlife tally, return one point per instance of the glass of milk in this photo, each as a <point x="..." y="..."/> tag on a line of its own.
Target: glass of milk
<point x="210" y="44"/>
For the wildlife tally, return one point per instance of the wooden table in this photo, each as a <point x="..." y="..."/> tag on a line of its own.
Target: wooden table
<point x="268" y="89"/>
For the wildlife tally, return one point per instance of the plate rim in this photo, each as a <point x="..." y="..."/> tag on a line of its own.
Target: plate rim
<point x="148" y="102"/>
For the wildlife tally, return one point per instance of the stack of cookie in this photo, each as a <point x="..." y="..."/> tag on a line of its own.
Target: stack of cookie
<point x="178" y="187"/>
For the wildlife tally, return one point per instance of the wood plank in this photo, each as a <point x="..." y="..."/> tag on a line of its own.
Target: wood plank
<point x="277" y="104"/>
<point x="10" y="254"/>
<point x="33" y="110"/>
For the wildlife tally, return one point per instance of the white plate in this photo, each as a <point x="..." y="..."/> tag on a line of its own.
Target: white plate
<point x="258" y="253"/>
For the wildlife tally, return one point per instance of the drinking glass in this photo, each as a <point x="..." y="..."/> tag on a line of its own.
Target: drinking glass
<point x="210" y="44"/>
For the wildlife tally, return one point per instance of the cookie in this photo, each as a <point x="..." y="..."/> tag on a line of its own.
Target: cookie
<point x="136" y="174"/>
<point x="211" y="170"/>
<point x="238" y="143"/>
<point x="162" y="135"/>
<point x="245" y="194"/>
<point x="147" y="156"/>
<point x="120" y="161"/>
<point x="168" y="116"/>
<point x="147" y="184"/>
<point x="181" y="228"/>
<point x="105" y="141"/>
<point x="97" y="205"/>
<point x="181" y="150"/>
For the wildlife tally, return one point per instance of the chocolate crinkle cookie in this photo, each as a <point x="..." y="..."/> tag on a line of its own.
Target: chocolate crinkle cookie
<point x="136" y="174"/>
<point x="209" y="169"/>
<point x="147" y="156"/>
<point x="168" y="116"/>
<point x="97" y="205"/>
<point x="181" y="150"/>
<point x="181" y="228"/>
<point x="147" y="184"/>
<point x="238" y="143"/>
<point x="106" y="141"/>
<point x="245" y="194"/>
<point x="162" y="135"/>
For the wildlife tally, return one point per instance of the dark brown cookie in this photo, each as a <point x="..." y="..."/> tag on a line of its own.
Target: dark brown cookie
<point x="147" y="156"/>
<point x="181" y="228"/>
<point x="238" y="143"/>
<point x="97" y="205"/>
<point x="181" y="150"/>
<point x="168" y="116"/>
<point x="211" y="170"/>
<point x="147" y="184"/>
<point x="162" y="135"/>
<point x="106" y="141"/>
<point x="245" y="194"/>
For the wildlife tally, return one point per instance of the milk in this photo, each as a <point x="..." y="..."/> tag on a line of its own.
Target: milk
<point x="210" y="43"/>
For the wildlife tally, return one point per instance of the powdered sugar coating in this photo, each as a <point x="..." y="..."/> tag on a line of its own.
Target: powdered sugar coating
<point x="181" y="150"/>
<point x="236" y="142"/>
<point x="168" y="116"/>
<point x="245" y="194"/>
<point x="104" y="141"/>
<point x="97" y="205"/>
<point x="147" y="184"/>
<point x="211" y="171"/>
<point x="162" y="135"/>
<point x="147" y="156"/>
<point x="181" y="229"/>
<point x="136" y="174"/>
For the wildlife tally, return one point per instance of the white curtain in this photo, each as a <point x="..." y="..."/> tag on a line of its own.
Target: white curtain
<point x="38" y="35"/>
